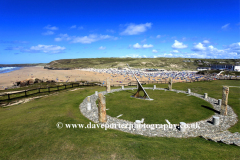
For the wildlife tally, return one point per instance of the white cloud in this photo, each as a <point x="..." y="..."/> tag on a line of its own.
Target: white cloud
<point x="143" y="41"/>
<point x="133" y="56"/>
<point x="147" y="46"/>
<point x="47" y="48"/>
<point x="178" y="45"/>
<point x="85" y="39"/>
<point x="133" y="29"/>
<point x="225" y="26"/>
<point x="184" y="38"/>
<point x="175" y="51"/>
<point x="235" y="47"/>
<point x="158" y="36"/>
<point x="49" y="27"/>
<point x="80" y="27"/>
<point x="72" y="27"/>
<point x="137" y="46"/>
<point x="154" y="51"/>
<point x="206" y="41"/>
<point x="48" y="33"/>
<point x="58" y="39"/>
<point x="102" y="48"/>
<point x="62" y="37"/>
<point x="199" y="47"/>
<point x="110" y="30"/>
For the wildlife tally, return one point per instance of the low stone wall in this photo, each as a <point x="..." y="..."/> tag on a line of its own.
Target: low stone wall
<point x="206" y="127"/>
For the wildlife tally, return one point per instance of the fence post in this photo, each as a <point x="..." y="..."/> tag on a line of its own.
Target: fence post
<point x="65" y="86"/>
<point x="25" y="92"/>
<point x="48" y="90"/>
<point x="72" y="85"/>
<point x="8" y="96"/>
<point x="39" y="90"/>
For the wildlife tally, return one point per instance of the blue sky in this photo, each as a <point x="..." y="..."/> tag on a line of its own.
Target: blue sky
<point x="39" y="31"/>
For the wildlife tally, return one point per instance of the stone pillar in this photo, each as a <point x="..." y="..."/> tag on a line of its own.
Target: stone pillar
<point x="189" y="90"/>
<point x="102" y="115"/>
<point x="88" y="98"/>
<point x="205" y="95"/>
<point x="215" y="120"/>
<point x="170" y="84"/>
<point x="122" y="87"/>
<point x="219" y="102"/>
<point x="108" y="87"/>
<point x="154" y="86"/>
<point x="89" y="107"/>
<point x="96" y="93"/>
<point x="182" y="126"/>
<point x="225" y="92"/>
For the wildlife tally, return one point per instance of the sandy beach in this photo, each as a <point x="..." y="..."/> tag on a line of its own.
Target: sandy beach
<point x="7" y="79"/>
<point x="94" y="75"/>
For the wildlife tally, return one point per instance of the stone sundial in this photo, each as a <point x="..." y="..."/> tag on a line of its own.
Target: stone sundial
<point x="140" y="88"/>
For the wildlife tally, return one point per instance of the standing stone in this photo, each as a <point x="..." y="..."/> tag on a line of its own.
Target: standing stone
<point x="182" y="126"/>
<point x="96" y="93"/>
<point x="189" y="90"/>
<point x="108" y="87"/>
<point x="219" y="102"/>
<point x="88" y="98"/>
<point x="122" y="87"/>
<point x="89" y="107"/>
<point x="154" y="86"/>
<point x="102" y="115"/>
<point x="215" y="120"/>
<point x="225" y="92"/>
<point x="205" y="95"/>
<point x="170" y="84"/>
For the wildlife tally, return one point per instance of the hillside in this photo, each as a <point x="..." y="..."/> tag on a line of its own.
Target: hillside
<point x="160" y="63"/>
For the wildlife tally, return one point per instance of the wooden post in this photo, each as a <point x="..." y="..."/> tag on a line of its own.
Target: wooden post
<point x="102" y="115"/>
<point x="72" y="85"/>
<point x="8" y="96"/>
<point x="25" y="92"/>
<point x="48" y="89"/>
<point x="65" y="86"/>
<point x="225" y="92"/>
<point x="39" y="90"/>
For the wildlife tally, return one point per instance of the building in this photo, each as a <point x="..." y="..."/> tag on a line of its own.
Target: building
<point x="229" y="67"/>
<point x="203" y="68"/>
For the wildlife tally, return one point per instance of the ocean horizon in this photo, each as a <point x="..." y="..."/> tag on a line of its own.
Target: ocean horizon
<point x="8" y="69"/>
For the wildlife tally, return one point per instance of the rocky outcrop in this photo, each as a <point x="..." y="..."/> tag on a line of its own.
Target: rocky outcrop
<point x="31" y="81"/>
<point x="53" y="68"/>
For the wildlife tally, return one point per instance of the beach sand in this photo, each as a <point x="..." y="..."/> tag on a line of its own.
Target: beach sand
<point x="7" y="79"/>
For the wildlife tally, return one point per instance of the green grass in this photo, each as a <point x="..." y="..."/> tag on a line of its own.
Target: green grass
<point x="214" y="90"/>
<point x="176" y="107"/>
<point x="28" y="131"/>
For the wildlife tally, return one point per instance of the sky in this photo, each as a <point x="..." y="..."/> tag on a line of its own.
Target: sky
<point x="40" y="31"/>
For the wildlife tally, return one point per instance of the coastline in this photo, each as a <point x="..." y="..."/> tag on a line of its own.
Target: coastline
<point x="90" y="75"/>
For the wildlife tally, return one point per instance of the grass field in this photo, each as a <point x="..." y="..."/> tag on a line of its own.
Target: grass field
<point x="181" y="108"/>
<point x="28" y="131"/>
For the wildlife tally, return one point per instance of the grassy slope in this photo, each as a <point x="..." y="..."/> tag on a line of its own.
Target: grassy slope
<point x="28" y="131"/>
<point x="163" y="63"/>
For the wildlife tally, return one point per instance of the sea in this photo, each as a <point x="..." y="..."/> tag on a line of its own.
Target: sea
<point x="8" y="69"/>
